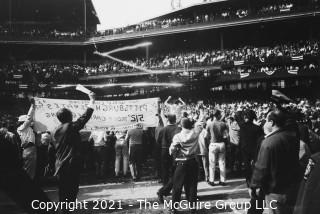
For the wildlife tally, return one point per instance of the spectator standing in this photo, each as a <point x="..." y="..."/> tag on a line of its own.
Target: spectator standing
<point x="68" y="151"/>
<point x="157" y="147"/>
<point x="110" y="140"/>
<point x="46" y="156"/>
<point x="134" y="139"/>
<point x="122" y="154"/>
<point x="276" y="174"/>
<point x="27" y="136"/>
<point x="185" y="146"/>
<point x="175" y="108"/>
<point x="99" y="152"/>
<point x="14" y="180"/>
<point x="308" y="200"/>
<point x="234" y="133"/>
<point x="249" y="136"/>
<point x="217" y="132"/>
<point x="203" y="150"/>
<point x="167" y="167"/>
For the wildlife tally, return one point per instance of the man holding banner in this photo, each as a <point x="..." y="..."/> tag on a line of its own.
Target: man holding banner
<point x="68" y="152"/>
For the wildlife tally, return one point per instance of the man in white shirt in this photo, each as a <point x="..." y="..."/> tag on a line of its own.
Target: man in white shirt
<point x="25" y="131"/>
<point x="99" y="150"/>
<point x="176" y="107"/>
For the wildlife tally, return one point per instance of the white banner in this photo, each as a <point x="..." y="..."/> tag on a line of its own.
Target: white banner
<point x="114" y="115"/>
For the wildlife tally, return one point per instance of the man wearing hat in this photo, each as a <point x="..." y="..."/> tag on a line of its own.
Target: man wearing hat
<point x="25" y="131"/>
<point x="14" y="181"/>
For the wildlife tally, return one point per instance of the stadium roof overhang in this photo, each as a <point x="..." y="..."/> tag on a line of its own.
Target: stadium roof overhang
<point x="192" y="8"/>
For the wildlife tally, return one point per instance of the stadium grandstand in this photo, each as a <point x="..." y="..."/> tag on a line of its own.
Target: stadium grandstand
<point x="47" y="20"/>
<point x="210" y="47"/>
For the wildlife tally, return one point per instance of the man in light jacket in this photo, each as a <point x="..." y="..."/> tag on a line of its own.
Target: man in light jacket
<point x="185" y="148"/>
<point x="27" y="136"/>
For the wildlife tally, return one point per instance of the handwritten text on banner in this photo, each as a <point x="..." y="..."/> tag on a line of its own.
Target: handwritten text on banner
<point x="107" y="114"/>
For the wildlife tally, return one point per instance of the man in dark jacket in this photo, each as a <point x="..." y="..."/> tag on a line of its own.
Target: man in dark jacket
<point x="276" y="171"/>
<point x="165" y="137"/>
<point x="249" y="136"/>
<point x="68" y="151"/>
<point x="14" y="180"/>
<point x="308" y="201"/>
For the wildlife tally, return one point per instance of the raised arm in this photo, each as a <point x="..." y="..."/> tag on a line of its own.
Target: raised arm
<point x="183" y="103"/>
<point x="167" y="100"/>
<point x="30" y="116"/>
<point x="163" y="117"/>
<point x="81" y="121"/>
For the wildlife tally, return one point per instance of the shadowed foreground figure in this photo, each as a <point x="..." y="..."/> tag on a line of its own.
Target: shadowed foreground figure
<point x="276" y="171"/>
<point x="308" y="200"/>
<point x="14" y="180"/>
<point x="68" y="151"/>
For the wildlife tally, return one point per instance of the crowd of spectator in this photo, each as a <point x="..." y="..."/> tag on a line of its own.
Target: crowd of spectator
<point x="269" y="70"/>
<point x="236" y="134"/>
<point x="38" y="32"/>
<point x="246" y="59"/>
<point x="285" y="7"/>
<point x="306" y="112"/>
<point x="41" y="72"/>
<point x="242" y="55"/>
<point x="216" y="15"/>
